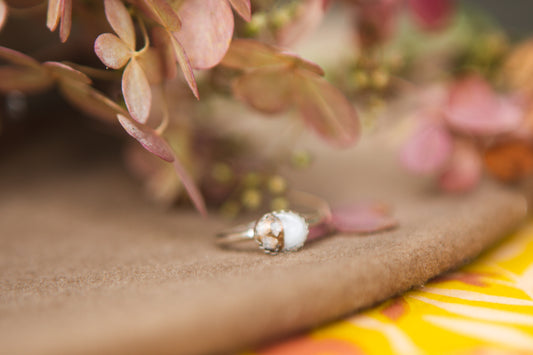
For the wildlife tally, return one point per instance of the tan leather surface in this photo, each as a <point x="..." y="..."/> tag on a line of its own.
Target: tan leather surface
<point x="90" y="267"/>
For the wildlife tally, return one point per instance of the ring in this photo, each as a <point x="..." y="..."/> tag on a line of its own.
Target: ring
<point x="276" y="231"/>
<point x="283" y="231"/>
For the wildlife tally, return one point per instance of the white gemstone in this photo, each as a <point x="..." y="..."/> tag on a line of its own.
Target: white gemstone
<point x="262" y="228"/>
<point x="269" y="243"/>
<point x="295" y="229"/>
<point x="276" y="228"/>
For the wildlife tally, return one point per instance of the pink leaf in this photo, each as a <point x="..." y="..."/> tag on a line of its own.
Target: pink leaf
<point x="206" y="31"/>
<point x="148" y="138"/>
<point x="163" y="44"/>
<point x="151" y="64"/>
<point x="185" y="64"/>
<point x="136" y="91"/>
<point x="53" y="14"/>
<point x="64" y="72"/>
<point x="90" y="101"/>
<point x="3" y="13"/>
<point x="120" y="20"/>
<point x="190" y="186"/>
<point x="464" y="169"/>
<point x="163" y="13"/>
<point x="247" y="54"/>
<point x="475" y="108"/>
<point x="243" y="8"/>
<point x="431" y="15"/>
<point x="27" y="80"/>
<point x="18" y="58"/>
<point x="309" y="14"/>
<point x="267" y="90"/>
<point x="325" y="109"/>
<point x="66" y="20"/>
<point x="428" y="150"/>
<point x="303" y="64"/>
<point x="112" y="51"/>
<point x="362" y="218"/>
<point x="155" y="144"/>
<point x="25" y="75"/>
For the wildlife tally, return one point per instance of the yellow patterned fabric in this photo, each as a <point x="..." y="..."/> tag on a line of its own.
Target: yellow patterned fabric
<point x="484" y="308"/>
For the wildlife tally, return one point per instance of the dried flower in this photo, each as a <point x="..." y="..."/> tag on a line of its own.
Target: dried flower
<point x="117" y="51"/>
<point x="274" y="80"/>
<point x="442" y="145"/>
<point x="60" y="12"/>
<point x="3" y="13"/>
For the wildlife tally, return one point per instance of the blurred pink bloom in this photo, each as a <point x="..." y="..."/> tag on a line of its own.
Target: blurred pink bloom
<point x="474" y="108"/>
<point x="445" y="143"/>
<point x="363" y="218"/>
<point x="428" y="150"/>
<point x="375" y="21"/>
<point x="309" y="15"/>
<point x="464" y="170"/>
<point x="431" y="14"/>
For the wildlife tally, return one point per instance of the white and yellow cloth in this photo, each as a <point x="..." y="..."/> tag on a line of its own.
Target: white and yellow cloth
<point x="484" y="308"/>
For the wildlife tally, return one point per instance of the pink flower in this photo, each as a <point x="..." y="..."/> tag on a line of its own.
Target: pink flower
<point x="449" y="139"/>
<point x="431" y="14"/>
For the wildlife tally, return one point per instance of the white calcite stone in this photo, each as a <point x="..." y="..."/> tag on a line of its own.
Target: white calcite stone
<point x="295" y="230"/>
<point x="281" y="231"/>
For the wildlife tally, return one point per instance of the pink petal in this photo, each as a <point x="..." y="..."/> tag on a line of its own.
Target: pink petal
<point x="362" y="218"/>
<point x="185" y="64"/>
<point x="303" y="64"/>
<point x="163" y="13"/>
<point x="27" y="80"/>
<point x="64" y="72"/>
<point x="475" y="108"/>
<point x="120" y="20"/>
<point x="267" y="90"/>
<point x="163" y="44"/>
<point x="3" y="13"/>
<point x="53" y="14"/>
<point x="308" y="15"/>
<point x="431" y="15"/>
<point x="136" y="91"/>
<point x="243" y="8"/>
<point x="66" y="20"/>
<point x="428" y="150"/>
<point x="151" y="64"/>
<point x="464" y="170"/>
<point x="190" y="186"/>
<point x="325" y="109"/>
<point x="18" y="58"/>
<point x="245" y="54"/>
<point x="148" y="138"/>
<point x="155" y="144"/>
<point x="90" y="101"/>
<point x="25" y="75"/>
<point x="112" y="51"/>
<point x="206" y="31"/>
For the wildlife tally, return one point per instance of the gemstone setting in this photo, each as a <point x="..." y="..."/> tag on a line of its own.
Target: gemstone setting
<point x="281" y="231"/>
